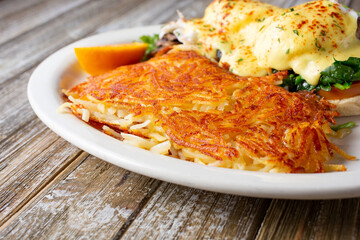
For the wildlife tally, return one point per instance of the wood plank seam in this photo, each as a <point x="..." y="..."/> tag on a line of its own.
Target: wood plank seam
<point x="42" y="185"/>
<point x="62" y="172"/>
<point x="51" y="20"/>
<point x="24" y="142"/>
<point x="45" y="23"/>
<point x="213" y="204"/>
<point x="2" y="196"/>
<point x="187" y="221"/>
<point x="18" y="10"/>
<point x="135" y="213"/>
<point x="32" y="29"/>
<point x="37" y="62"/>
<point x="124" y="178"/>
<point x="18" y="75"/>
<point x="263" y="218"/>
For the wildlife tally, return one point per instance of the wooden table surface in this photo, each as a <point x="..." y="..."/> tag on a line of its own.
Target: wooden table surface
<point x="50" y="189"/>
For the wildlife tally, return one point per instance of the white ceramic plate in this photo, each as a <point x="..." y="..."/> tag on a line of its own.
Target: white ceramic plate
<point x="59" y="71"/>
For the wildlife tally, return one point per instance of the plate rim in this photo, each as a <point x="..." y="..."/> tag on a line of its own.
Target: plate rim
<point x="40" y="94"/>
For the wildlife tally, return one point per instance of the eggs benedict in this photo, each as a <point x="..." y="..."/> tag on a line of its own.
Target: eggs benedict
<point x="314" y="41"/>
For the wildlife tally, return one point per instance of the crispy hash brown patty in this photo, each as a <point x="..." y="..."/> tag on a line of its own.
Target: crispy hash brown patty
<point x="182" y="104"/>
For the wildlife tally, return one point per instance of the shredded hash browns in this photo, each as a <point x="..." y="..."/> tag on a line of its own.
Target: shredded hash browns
<point x="183" y="105"/>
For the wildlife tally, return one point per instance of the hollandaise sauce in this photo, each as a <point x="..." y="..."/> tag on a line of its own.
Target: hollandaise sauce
<point x="254" y="37"/>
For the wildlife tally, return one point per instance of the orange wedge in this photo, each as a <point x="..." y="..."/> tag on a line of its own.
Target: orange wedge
<point x="98" y="60"/>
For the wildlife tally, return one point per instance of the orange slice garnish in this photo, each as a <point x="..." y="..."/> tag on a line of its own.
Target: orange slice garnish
<point x="98" y="60"/>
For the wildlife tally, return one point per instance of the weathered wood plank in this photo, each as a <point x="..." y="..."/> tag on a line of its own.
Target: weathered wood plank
<point x="10" y="7"/>
<point x="18" y="140"/>
<point x="336" y="219"/>
<point x="355" y="4"/>
<point x="165" y="12"/>
<point x="74" y="24"/>
<point x="24" y="172"/>
<point x="62" y="172"/>
<point x="93" y="202"/>
<point x="22" y="21"/>
<point x="24" y="168"/>
<point x="15" y="110"/>
<point x="176" y="212"/>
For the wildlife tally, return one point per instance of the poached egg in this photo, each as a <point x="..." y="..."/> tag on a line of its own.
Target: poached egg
<point x="250" y="38"/>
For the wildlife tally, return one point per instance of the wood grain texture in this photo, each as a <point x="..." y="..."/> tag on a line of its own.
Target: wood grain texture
<point x="336" y="219"/>
<point x="30" y="153"/>
<point x="32" y="16"/>
<point x="8" y="8"/>
<point x="15" y="110"/>
<point x="176" y="212"/>
<point x="45" y="39"/>
<point x="355" y="4"/>
<point x="25" y="172"/>
<point x="163" y="13"/>
<point x="93" y="202"/>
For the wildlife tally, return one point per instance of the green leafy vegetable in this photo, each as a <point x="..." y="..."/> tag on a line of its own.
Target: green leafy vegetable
<point x="151" y="41"/>
<point x="295" y="83"/>
<point x="341" y="126"/>
<point x="341" y="74"/>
